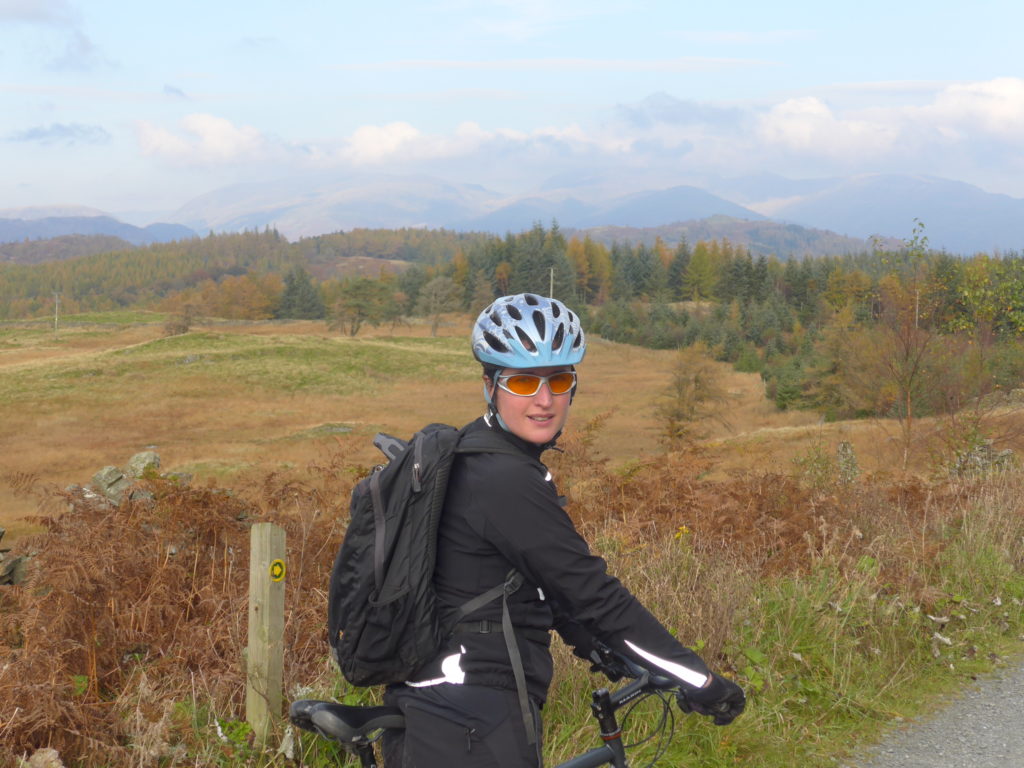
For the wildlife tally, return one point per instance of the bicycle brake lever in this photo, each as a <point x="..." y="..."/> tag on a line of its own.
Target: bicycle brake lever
<point x="684" y="704"/>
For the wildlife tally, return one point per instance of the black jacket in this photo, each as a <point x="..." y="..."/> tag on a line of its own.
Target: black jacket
<point x="502" y="511"/>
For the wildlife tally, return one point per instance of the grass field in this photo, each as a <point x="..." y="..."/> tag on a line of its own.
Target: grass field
<point x="235" y="401"/>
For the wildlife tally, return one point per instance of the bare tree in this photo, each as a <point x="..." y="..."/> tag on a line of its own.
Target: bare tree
<point x="438" y="296"/>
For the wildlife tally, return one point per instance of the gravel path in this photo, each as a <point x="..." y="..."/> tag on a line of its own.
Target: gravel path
<point x="981" y="728"/>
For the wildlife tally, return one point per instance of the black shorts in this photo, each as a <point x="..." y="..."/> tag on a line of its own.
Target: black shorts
<point x="459" y="726"/>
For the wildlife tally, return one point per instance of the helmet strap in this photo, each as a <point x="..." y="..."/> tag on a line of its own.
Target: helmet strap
<point x="489" y="395"/>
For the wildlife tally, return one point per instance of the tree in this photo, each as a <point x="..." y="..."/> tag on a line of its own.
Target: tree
<point x="438" y="296"/>
<point x="898" y="367"/>
<point x="483" y="292"/>
<point x="701" y="274"/>
<point x="361" y="300"/>
<point x="301" y="300"/>
<point x="694" y="393"/>
<point x="677" y="270"/>
<point x="538" y="259"/>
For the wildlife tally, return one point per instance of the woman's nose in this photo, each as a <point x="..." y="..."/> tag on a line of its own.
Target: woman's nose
<point x="544" y="395"/>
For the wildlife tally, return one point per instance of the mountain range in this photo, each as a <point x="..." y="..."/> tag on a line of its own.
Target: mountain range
<point x="958" y="217"/>
<point x="27" y="224"/>
<point x="765" y="212"/>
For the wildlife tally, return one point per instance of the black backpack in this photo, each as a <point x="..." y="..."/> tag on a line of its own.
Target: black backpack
<point x="383" y="619"/>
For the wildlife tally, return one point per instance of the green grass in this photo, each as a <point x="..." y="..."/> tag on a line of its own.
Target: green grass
<point x="114" y="317"/>
<point x="290" y="364"/>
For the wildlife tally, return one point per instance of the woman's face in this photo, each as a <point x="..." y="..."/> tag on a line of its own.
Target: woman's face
<point x="535" y="418"/>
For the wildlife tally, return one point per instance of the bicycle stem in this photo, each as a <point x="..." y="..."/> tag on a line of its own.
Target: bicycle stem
<point x="611" y="733"/>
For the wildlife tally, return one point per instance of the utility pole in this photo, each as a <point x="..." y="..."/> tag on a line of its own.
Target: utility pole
<point x="551" y="284"/>
<point x="56" y="310"/>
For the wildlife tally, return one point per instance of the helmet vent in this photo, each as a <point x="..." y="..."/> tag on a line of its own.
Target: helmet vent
<point x="496" y="318"/>
<point x="526" y="340"/>
<point x="576" y="341"/>
<point x="494" y="343"/>
<point x="530" y="299"/>
<point x="556" y="342"/>
<point x="514" y="312"/>
<point x="555" y="311"/>
<point x="538" y="321"/>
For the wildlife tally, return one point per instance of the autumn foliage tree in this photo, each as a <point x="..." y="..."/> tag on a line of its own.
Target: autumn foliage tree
<point x="695" y="393"/>
<point x="361" y="301"/>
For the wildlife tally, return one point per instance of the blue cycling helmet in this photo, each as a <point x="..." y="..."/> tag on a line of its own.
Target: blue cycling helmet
<point x="528" y="331"/>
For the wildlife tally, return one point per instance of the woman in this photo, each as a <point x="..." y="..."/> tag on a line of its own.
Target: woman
<point x="477" y="704"/>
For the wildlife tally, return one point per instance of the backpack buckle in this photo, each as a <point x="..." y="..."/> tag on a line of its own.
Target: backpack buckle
<point x="477" y="627"/>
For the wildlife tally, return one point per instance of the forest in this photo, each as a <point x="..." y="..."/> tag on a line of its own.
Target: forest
<point x="900" y="332"/>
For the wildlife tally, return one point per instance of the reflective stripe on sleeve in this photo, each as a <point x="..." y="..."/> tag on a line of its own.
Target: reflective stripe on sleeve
<point x="687" y="675"/>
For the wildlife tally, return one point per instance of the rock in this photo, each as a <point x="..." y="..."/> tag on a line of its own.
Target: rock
<point x="140" y="462"/>
<point x="982" y="459"/>
<point x="44" y="758"/>
<point x="111" y="483"/>
<point x="179" y="478"/>
<point x="12" y="569"/>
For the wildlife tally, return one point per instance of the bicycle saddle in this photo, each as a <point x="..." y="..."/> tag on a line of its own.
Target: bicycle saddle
<point x="343" y="723"/>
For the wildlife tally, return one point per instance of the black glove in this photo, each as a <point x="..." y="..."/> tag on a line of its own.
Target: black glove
<point x="721" y="699"/>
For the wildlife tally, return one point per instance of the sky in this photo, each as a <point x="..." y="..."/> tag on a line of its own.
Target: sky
<point x="142" y="106"/>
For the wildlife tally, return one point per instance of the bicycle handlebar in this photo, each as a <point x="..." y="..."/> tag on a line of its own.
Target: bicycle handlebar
<point x="615" y="665"/>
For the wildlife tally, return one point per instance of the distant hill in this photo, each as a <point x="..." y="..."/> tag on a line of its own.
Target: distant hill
<point x="19" y="229"/>
<point x="60" y="248"/>
<point x="668" y="206"/>
<point x="325" y="203"/>
<point x="958" y="217"/>
<point x="762" y="237"/>
<point x="644" y="209"/>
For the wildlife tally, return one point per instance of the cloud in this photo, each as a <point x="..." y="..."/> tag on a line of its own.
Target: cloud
<point x="973" y="131"/>
<point x="61" y="133"/>
<point x="662" y="108"/>
<point x="808" y="126"/>
<point x="80" y="54"/>
<point x="203" y="140"/>
<point x="372" y="143"/>
<point x="48" y="12"/>
<point x="400" y="142"/>
<point x="170" y="90"/>
<point x="994" y="108"/>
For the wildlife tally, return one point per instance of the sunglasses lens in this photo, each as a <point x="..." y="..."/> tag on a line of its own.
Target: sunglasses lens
<point x="523" y="384"/>
<point x="561" y="383"/>
<point x="528" y="384"/>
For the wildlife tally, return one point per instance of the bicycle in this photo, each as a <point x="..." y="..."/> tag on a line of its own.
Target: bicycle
<point x="358" y="728"/>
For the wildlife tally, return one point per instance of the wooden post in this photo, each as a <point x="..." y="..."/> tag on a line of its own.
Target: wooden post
<point x="265" y="661"/>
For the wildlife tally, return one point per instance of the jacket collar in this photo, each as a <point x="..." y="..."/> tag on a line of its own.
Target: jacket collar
<point x="489" y="422"/>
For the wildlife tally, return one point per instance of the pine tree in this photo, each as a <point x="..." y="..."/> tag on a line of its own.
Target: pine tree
<point x="301" y="299"/>
<point x="677" y="270"/>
